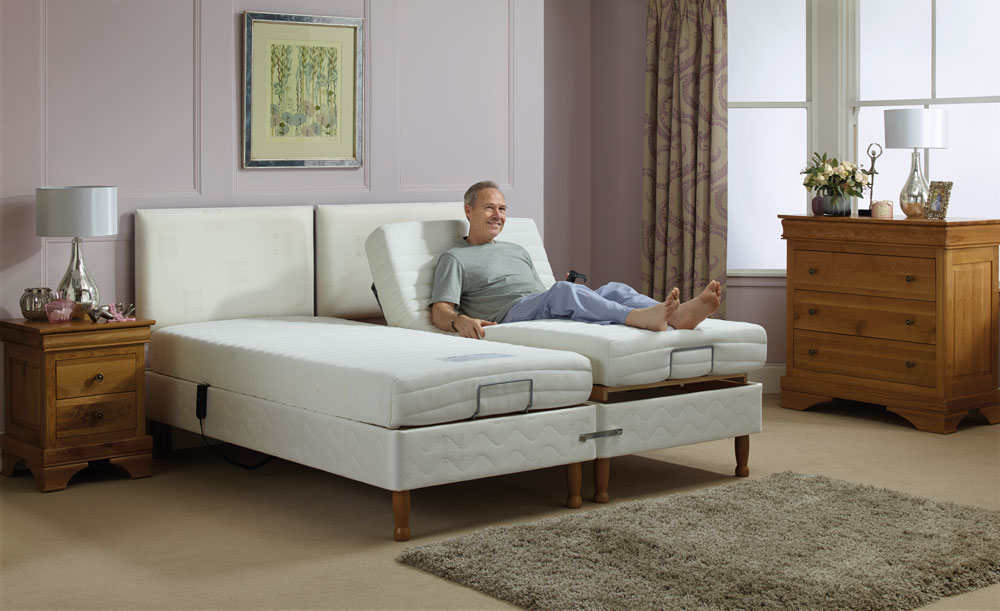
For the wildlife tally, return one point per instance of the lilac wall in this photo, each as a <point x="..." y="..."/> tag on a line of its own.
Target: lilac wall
<point x="146" y="95"/>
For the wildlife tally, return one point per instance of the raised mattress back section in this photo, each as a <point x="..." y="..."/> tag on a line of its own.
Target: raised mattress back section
<point x="198" y="264"/>
<point x="402" y="257"/>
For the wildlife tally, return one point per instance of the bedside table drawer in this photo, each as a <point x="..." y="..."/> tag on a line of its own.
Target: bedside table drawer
<point x="876" y="275"/>
<point x="95" y="416"/>
<point x="901" y="319"/>
<point x="95" y="376"/>
<point x="862" y="357"/>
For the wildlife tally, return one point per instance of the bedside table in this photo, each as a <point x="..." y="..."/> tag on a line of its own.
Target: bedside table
<point x="74" y="393"/>
<point x="900" y="313"/>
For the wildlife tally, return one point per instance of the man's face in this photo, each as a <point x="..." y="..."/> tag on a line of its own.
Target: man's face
<point x="487" y="216"/>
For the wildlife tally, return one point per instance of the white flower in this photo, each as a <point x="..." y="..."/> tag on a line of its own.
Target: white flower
<point x="861" y="177"/>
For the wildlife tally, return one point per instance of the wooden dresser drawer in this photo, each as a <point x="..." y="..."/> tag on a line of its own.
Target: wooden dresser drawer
<point x="95" y="376"/>
<point x="96" y="415"/>
<point x="900" y="319"/>
<point x="862" y="357"/>
<point x="876" y="275"/>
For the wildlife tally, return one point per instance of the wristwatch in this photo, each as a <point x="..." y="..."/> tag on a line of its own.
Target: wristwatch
<point x="453" y="327"/>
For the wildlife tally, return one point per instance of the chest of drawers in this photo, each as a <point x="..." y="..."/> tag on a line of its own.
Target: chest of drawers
<point x="901" y="313"/>
<point x="73" y="393"/>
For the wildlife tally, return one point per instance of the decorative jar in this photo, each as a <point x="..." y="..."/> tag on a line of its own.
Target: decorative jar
<point x="33" y="302"/>
<point x="836" y="205"/>
<point x="59" y="310"/>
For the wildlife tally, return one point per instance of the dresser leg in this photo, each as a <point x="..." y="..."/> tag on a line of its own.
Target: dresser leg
<point x="793" y="399"/>
<point x="932" y="423"/>
<point x="50" y="479"/>
<point x="991" y="413"/>
<point x="138" y="465"/>
<point x="10" y="464"/>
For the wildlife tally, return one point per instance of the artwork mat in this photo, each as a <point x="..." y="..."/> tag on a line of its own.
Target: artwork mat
<point x="260" y="148"/>
<point x="942" y="189"/>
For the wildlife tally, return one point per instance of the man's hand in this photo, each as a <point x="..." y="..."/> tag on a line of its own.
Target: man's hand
<point x="471" y="327"/>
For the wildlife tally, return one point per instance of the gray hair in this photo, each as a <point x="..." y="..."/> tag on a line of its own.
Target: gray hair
<point x="473" y="192"/>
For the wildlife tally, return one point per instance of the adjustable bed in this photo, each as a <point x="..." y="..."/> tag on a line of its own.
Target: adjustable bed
<point x="239" y="354"/>
<point x="258" y="333"/>
<point x="652" y="390"/>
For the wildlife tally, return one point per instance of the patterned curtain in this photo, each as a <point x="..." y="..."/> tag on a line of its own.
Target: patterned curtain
<point x="684" y="166"/>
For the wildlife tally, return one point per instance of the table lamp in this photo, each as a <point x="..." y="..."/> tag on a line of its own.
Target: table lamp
<point x="77" y="212"/>
<point x="915" y="128"/>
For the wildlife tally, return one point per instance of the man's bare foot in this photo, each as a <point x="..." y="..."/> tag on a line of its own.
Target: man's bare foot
<point x="690" y="313"/>
<point x="654" y="318"/>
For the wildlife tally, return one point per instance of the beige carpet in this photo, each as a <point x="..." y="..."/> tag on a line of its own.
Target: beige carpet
<point x="201" y="534"/>
<point x="787" y="541"/>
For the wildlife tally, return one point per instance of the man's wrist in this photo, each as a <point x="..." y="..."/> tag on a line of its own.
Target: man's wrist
<point x="453" y="327"/>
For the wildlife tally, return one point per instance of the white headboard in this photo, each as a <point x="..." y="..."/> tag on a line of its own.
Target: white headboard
<point x="343" y="280"/>
<point x="196" y="264"/>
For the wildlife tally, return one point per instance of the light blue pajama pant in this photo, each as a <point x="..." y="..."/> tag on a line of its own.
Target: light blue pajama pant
<point x="609" y="304"/>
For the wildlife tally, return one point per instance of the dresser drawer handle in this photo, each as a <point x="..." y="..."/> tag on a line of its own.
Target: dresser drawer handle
<point x="812" y="311"/>
<point x="911" y="278"/>
<point x="99" y="416"/>
<point x="909" y="321"/>
<point x="813" y="270"/>
<point x="99" y="377"/>
<point x="910" y="364"/>
<point x="812" y="351"/>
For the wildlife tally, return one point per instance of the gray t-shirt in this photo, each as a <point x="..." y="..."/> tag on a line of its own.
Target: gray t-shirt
<point x="485" y="280"/>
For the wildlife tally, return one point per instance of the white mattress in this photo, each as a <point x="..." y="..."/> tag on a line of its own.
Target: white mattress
<point x="402" y="257"/>
<point x="369" y="373"/>
<point x="623" y="356"/>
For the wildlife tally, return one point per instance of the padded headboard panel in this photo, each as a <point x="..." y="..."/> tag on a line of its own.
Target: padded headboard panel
<point x="402" y="257"/>
<point x="197" y="264"/>
<point x="343" y="280"/>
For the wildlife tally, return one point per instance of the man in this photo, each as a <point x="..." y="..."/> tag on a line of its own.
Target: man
<point x="481" y="281"/>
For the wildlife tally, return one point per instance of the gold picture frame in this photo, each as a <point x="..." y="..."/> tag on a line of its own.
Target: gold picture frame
<point x="937" y="201"/>
<point x="303" y="91"/>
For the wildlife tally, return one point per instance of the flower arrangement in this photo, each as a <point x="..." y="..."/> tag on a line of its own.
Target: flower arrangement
<point x="835" y="178"/>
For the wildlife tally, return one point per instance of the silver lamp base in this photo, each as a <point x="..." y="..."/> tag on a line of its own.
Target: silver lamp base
<point x="78" y="286"/>
<point x="916" y="193"/>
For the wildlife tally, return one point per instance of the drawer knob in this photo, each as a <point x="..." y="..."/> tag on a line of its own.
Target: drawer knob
<point x="911" y="278"/>
<point x="812" y="351"/>
<point x="812" y="311"/>
<point x="910" y="364"/>
<point x="99" y="415"/>
<point x="909" y="321"/>
<point x="813" y="270"/>
<point x="99" y="377"/>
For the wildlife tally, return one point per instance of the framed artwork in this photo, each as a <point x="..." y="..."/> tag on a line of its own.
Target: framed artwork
<point x="937" y="202"/>
<point x="303" y="90"/>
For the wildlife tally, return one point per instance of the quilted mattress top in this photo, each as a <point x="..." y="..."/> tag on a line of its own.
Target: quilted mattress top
<point x="385" y="376"/>
<point x="623" y="356"/>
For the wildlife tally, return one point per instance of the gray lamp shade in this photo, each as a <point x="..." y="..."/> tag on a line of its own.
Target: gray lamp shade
<point x="76" y="211"/>
<point x="916" y="128"/>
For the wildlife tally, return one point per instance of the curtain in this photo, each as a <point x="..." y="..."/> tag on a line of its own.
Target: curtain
<point x="684" y="165"/>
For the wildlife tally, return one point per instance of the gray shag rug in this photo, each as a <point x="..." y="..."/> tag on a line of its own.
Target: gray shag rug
<point x="788" y="541"/>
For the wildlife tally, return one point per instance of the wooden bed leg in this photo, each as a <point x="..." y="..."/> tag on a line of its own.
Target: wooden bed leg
<point x="742" y="455"/>
<point x="401" y="515"/>
<point x="574" y="481"/>
<point x="602" y="475"/>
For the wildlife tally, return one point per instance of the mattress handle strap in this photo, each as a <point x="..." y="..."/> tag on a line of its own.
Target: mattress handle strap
<point x="711" y="358"/>
<point x="479" y="394"/>
<point x="599" y="434"/>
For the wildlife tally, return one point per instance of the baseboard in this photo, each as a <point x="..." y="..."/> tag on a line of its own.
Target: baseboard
<point x="770" y="376"/>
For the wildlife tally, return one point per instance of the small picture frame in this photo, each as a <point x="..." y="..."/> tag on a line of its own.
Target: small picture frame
<point x="937" y="202"/>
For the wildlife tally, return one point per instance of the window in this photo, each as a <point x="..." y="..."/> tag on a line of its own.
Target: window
<point x="932" y="54"/>
<point x="768" y="127"/>
<point x="814" y="76"/>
